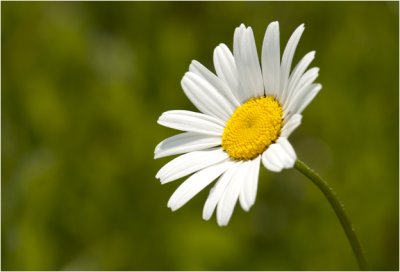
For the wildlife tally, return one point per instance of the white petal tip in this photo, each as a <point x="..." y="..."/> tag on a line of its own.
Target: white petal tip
<point x="159" y="154"/>
<point x="172" y="206"/>
<point x="207" y="212"/>
<point x="222" y="224"/>
<point x="160" y="120"/>
<point x="273" y="169"/>
<point x="163" y="181"/>
<point x="192" y="66"/>
<point x="206" y="217"/>
<point x="253" y="201"/>
<point x="223" y="220"/>
<point x="184" y="80"/>
<point x="290" y="166"/>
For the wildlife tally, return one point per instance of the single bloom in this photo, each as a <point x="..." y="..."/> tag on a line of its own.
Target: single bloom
<point x="247" y="112"/>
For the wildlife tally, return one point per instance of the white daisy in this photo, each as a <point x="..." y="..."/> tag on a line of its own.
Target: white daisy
<point x="247" y="115"/>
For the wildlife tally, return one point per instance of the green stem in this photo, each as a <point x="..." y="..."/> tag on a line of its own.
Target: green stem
<point x="339" y="210"/>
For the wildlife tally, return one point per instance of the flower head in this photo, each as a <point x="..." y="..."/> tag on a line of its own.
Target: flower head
<point x="247" y="114"/>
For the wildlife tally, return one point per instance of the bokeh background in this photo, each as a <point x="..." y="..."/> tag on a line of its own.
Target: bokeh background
<point x="83" y="85"/>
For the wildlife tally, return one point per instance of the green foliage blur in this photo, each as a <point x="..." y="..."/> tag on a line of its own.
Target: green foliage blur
<point x="83" y="84"/>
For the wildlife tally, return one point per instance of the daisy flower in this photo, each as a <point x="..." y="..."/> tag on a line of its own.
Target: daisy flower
<point x="247" y="112"/>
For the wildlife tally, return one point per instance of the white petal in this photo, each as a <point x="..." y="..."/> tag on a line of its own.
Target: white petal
<point x="247" y="63"/>
<point x="271" y="160"/>
<point x="309" y="97"/>
<point x="271" y="60"/>
<point x="288" y="149"/>
<point x="185" y="142"/>
<point x="195" y="183"/>
<point x="205" y="97"/>
<point x="286" y="160"/>
<point x="250" y="188"/>
<point x="229" y="198"/>
<point x="218" y="84"/>
<point x="249" y="184"/>
<point x="282" y="160"/>
<point x="303" y="86"/>
<point x="192" y="121"/>
<point x="301" y="101"/>
<point x="298" y="71"/>
<point x="189" y="163"/>
<point x="293" y="122"/>
<point x="308" y="78"/>
<point x="287" y="60"/>
<point x="279" y="155"/>
<point x="247" y="175"/>
<point x="217" y="191"/>
<point x="225" y="67"/>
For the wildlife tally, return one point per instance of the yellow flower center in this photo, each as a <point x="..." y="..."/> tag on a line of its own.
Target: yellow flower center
<point x="252" y="128"/>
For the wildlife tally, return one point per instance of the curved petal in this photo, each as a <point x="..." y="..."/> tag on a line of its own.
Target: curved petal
<point x="230" y="196"/>
<point x="217" y="191"/>
<point x="192" y="121"/>
<point x="226" y="70"/>
<point x="308" y="77"/>
<point x="204" y="96"/>
<point x="189" y="163"/>
<point x="293" y="122"/>
<point x="195" y="183"/>
<point x="282" y="159"/>
<point x="287" y="60"/>
<point x="309" y="97"/>
<point x="271" y="56"/>
<point x="305" y="81"/>
<point x="288" y="149"/>
<point x="271" y="160"/>
<point x="301" y="101"/>
<point x="298" y="71"/>
<point x="185" y="142"/>
<point x="218" y="84"/>
<point x="247" y="63"/>
<point x="279" y="155"/>
<point x="247" y="171"/>
<point x="248" y="191"/>
<point x="285" y="157"/>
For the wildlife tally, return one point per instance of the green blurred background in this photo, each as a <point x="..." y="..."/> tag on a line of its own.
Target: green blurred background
<point x="83" y="85"/>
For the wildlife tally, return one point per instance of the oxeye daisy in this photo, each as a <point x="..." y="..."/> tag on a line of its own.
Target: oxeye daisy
<point x="247" y="112"/>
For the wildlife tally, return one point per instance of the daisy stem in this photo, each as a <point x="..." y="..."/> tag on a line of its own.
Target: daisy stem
<point x="339" y="210"/>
